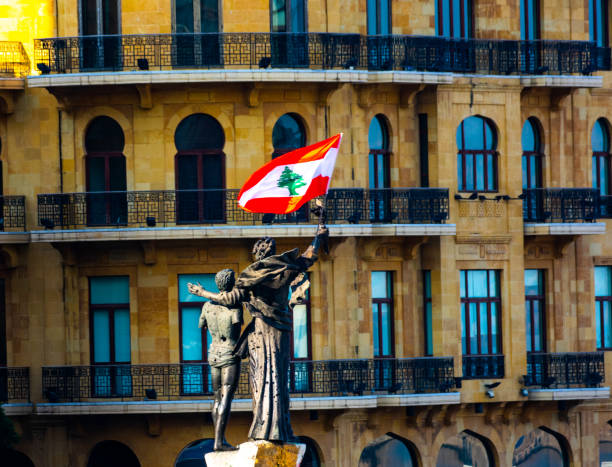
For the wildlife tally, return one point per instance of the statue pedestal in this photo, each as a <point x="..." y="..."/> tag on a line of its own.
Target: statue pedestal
<point x="258" y="453"/>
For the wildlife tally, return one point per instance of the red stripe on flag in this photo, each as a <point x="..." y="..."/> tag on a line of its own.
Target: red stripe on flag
<point x="288" y="204"/>
<point x="306" y="154"/>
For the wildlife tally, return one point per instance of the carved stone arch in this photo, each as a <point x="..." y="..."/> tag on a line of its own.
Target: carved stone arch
<point x="82" y="119"/>
<point x="9" y="257"/>
<point x="7" y="103"/>
<point x="373" y="453"/>
<point x="490" y="442"/>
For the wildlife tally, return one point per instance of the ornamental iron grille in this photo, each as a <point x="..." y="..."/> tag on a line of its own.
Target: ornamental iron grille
<point x="14" y="61"/>
<point x="316" y="378"/>
<point x="559" y="370"/>
<point x="12" y="213"/>
<point x="483" y="366"/>
<point x="560" y="204"/>
<point x="314" y="50"/>
<point x="344" y="206"/>
<point x="14" y="384"/>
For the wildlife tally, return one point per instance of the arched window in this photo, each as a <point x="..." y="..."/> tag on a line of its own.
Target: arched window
<point x="532" y="169"/>
<point x="540" y="448"/>
<point x="192" y="455"/>
<point x="311" y="457"/>
<point x="477" y="157"/>
<point x="466" y="448"/>
<point x="115" y="453"/>
<point x="105" y="172"/>
<point x="532" y="154"/>
<point x="600" y="144"/>
<point x="200" y="170"/>
<point x="288" y="134"/>
<point x="389" y="449"/>
<point x="379" y="169"/>
<point x="454" y="18"/>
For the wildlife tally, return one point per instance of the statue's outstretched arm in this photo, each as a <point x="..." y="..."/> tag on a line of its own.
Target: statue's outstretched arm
<point x="231" y="298"/>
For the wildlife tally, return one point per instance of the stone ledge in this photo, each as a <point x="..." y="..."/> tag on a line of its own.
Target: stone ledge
<point x="568" y="394"/>
<point x="244" y="405"/>
<point x="12" y="84"/>
<point x="237" y="76"/>
<point x="14" y="237"/>
<point x="565" y="228"/>
<point x="17" y="409"/>
<point x="239" y="231"/>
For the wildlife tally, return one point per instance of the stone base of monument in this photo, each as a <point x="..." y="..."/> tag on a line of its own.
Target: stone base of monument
<point x="258" y="453"/>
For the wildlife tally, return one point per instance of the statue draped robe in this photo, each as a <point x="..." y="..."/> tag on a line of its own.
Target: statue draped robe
<point x="264" y="288"/>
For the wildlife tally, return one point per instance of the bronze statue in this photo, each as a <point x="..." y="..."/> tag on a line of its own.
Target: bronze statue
<point x="264" y="288"/>
<point x="224" y="324"/>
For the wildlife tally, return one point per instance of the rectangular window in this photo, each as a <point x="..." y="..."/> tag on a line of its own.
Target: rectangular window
<point x="194" y="342"/>
<point x="382" y="313"/>
<point x="598" y="22"/>
<point x="535" y="330"/>
<point x="300" y="377"/>
<point x="480" y="312"/>
<point x="427" y="313"/>
<point x="603" y="306"/>
<point x="423" y="150"/>
<point x="109" y="308"/>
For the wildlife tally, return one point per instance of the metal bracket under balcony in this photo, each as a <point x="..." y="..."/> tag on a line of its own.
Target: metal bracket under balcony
<point x="184" y="214"/>
<point x="311" y="56"/>
<point x="565" y="376"/>
<point x="327" y="384"/>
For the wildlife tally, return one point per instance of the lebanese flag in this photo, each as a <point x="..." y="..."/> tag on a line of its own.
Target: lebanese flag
<point x="286" y="183"/>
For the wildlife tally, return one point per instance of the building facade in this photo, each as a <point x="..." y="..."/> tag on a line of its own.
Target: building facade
<point x="463" y="315"/>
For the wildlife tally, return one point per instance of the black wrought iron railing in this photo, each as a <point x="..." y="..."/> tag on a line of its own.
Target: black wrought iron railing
<point x="561" y="204"/>
<point x="483" y="366"/>
<point x="565" y="370"/>
<point x="14" y="61"/>
<point x="317" y="50"/>
<point x="12" y="213"/>
<point x="306" y="378"/>
<point x="14" y="384"/>
<point x="184" y="207"/>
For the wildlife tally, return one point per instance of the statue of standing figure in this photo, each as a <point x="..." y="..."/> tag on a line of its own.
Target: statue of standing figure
<point x="264" y="288"/>
<point x="224" y="324"/>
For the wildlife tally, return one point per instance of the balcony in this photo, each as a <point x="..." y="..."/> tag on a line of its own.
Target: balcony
<point x="571" y="375"/>
<point x="562" y="211"/>
<point x="313" y="384"/>
<point x="483" y="366"/>
<point x="140" y="214"/>
<point x="15" y="390"/>
<point x="14" y="62"/>
<point x="311" y="52"/>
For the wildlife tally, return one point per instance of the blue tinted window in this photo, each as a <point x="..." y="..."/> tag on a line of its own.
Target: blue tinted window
<point x="206" y="280"/>
<point x="533" y="282"/>
<point x="377" y="134"/>
<point x="109" y="289"/>
<point x="381" y="284"/>
<point x="476" y="160"/>
<point x="598" y="22"/>
<point x="454" y="19"/>
<point x="599" y="137"/>
<point x="603" y="281"/>
<point x="288" y="133"/>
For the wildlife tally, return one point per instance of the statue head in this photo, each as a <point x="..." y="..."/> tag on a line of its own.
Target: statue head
<point x="264" y="247"/>
<point x="225" y="280"/>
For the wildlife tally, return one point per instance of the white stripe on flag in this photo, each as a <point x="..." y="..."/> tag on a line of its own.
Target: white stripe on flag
<point x="268" y="187"/>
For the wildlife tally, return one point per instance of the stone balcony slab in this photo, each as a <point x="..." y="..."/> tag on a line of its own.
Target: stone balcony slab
<point x="243" y="405"/>
<point x="17" y="409"/>
<point x="246" y="231"/>
<point x="568" y="394"/>
<point x="565" y="228"/>
<point x="236" y="76"/>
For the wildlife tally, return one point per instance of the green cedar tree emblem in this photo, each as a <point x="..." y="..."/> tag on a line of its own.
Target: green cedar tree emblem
<point x="291" y="180"/>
